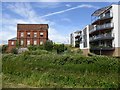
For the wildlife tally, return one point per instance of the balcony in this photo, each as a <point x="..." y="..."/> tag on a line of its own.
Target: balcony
<point x="102" y="48"/>
<point x="102" y="18"/>
<point x="77" y="36"/>
<point x="106" y="36"/>
<point x="101" y="27"/>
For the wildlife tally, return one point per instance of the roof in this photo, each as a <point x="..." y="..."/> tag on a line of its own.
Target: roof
<point x="77" y="31"/>
<point x="32" y="26"/>
<point x="15" y="38"/>
<point x="100" y="11"/>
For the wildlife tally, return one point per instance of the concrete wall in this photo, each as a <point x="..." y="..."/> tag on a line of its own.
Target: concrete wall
<point x="85" y="51"/>
<point x="115" y="20"/>
<point x="119" y="25"/>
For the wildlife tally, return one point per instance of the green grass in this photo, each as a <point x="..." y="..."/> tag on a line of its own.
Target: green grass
<point x="64" y="70"/>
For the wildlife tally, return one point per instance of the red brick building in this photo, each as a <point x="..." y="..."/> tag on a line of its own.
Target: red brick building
<point x="29" y="34"/>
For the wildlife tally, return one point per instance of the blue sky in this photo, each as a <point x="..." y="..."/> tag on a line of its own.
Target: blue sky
<point x="63" y="17"/>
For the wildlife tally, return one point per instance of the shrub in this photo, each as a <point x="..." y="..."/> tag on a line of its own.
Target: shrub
<point x="4" y="48"/>
<point x="60" y="48"/>
<point x="31" y="48"/>
<point x="91" y="54"/>
<point x="48" y="45"/>
<point x="40" y="47"/>
<point x="14" y="51"/>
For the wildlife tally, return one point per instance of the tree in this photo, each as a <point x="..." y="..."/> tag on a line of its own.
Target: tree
<point x="48" y="45"/>
<point x="4" y="48"/>
<point x="14" y="51"/>
<point x="17" y="44"/>
<point x="60" y="48"/>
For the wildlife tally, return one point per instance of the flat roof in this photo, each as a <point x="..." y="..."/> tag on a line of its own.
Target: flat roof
<point x="100" y="11"/>
<point x="31" y="26"/>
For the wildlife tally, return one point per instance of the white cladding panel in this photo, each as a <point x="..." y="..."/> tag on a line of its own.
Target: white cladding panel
<point x="116" y="25"/>
<point x="87" y="33"/>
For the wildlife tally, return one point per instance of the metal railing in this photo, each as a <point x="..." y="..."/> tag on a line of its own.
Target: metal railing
<point x="101" y="36"/>
<point x="100" y="27"/>
<point x="109" y="15"/>
<point x="106" y="16"/>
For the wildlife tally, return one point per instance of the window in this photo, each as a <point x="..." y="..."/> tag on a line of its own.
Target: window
<point x="28" y="34"/>
<point x="21" y="42"/>
<point x="21" y="34"/>
<point x="85" y="38"/>
<point x="28" y="42"/>
<point x="35" y="42"/>
<point x="35" y="34"/>
<point x="12" y="43"/>
<point x="41" y="34"/>
<point x="41" y="42"/>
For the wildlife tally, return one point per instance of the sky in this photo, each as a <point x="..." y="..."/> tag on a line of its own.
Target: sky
<point x="63" y="18"/>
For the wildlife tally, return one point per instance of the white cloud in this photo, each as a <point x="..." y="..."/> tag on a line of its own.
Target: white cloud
<point x="66" y="20"/>
<point x="47" y="4"/>
<point x="9" y="29"/>
<point x="56" y="37"/>
<point x="68" y="5"/>
<point x="66" y="10"/>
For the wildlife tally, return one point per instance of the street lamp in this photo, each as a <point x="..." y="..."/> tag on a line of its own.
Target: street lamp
<point x="100" y="49"/>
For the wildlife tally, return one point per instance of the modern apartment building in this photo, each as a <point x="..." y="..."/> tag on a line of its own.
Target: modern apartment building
<point x="29" y="34"/>
<point x="102" y="36"/>
<point x="80" y="39"/>
<point x="75" y="39"/>
<point x="84" y="40"/>
<point x="104" y="33"/>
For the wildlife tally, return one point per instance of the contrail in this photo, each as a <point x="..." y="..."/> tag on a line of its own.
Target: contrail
<point x="80" y="6"/>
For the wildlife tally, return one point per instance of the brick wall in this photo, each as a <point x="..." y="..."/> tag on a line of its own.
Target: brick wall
<point x="32" y="28"/>
<point x="10" y="45"/>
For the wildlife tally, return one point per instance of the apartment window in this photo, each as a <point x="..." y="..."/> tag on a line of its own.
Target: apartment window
<point x="28" y="42"/>
<point x="41" y="42"/>
<point x="41" y="34"/>
<point x="12" y="43"/>
<point x="21" y="42"/>
<point x="35" y="42"/>
<point x="35" y="34"/>
<point x="28" y="34"/>
<point x="85" y="38"/>
<point x="21" y="34"/>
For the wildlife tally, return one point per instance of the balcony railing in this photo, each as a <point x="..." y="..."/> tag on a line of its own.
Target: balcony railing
<point x="110" y="47"/>
<point x="102" y="36"/>
<point x="77" y="36"/>
<point x="107" y="16"/>
<point x="101" y="27"/>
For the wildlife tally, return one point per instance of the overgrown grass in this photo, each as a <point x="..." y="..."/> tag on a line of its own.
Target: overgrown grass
<point x="64" y="70"/>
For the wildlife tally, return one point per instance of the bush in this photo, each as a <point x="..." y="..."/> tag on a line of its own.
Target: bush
<point x="4" y="48"/>
<point x="14" y="51"/>
<point x="40" y="47"/>
<point x="48" y="45"/>
<point x="60" y="48"/>
<point x="31" y="48"/>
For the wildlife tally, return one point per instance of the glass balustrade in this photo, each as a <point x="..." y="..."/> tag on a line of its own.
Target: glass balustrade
<point x="100" y="27"/>
<point x="106" y="35"/>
